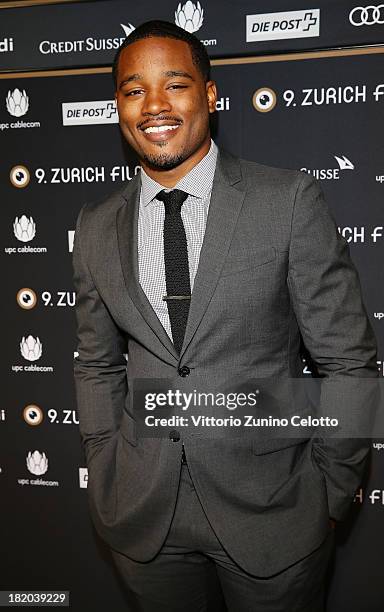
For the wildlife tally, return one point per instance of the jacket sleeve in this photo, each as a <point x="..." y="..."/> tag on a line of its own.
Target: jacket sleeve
<point x="100" y="368"/>
<point x="326" y="296"/>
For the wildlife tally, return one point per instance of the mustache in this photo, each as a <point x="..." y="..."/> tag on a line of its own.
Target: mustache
<point x="160" y="118"/>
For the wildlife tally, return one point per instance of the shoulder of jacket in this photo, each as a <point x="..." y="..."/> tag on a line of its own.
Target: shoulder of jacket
<point x="286" y="183"/>
<point x="100" y="213"/>
<point x="105" y="205"/>
<point x="258" y="172"/>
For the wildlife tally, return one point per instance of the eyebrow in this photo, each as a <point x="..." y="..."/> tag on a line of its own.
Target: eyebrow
<point x="175" y="73"/>
<point x="168" y="73"/>
<point x="132" y="77"/>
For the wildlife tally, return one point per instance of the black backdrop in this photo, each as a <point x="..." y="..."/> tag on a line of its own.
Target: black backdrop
<point x="326" y="117"/>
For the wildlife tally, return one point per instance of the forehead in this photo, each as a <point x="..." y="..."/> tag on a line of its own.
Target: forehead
<point x="156" y="53"/>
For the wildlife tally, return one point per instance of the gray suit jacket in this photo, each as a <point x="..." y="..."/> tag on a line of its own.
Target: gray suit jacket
<point x="273" y="268"/>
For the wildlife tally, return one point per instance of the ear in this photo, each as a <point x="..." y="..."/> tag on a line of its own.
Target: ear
<point x="211" y="90"/>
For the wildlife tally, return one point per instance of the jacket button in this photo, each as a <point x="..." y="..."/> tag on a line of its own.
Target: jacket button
<point x="174" y="435"/>
<point x="184" y="371"/>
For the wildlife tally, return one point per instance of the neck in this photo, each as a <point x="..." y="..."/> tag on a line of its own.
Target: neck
<point x="169" y="178"/>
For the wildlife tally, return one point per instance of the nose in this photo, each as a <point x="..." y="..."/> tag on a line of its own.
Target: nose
<point x="156" y="102"/>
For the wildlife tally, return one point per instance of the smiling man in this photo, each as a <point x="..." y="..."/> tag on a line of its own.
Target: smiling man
<point x="164" y="110"/>
<point x="207" y="266"/>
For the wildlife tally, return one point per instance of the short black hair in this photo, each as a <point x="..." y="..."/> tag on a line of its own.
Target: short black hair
<point x="165" y="29"/>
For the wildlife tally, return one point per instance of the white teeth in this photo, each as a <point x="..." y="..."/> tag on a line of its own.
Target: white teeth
<point x="160" y="128"/>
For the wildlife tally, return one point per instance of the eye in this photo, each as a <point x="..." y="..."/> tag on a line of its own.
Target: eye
<point x="177" y="86"/>
<point x="134" y="92"/>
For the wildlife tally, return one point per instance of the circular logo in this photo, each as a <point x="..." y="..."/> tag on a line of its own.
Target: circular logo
<point x="33" y="415"/>
<point x="264" y="100"/>
<point x="367" y="15"/>
<point x="19" y="176"/>
<point x="26" y="298"/>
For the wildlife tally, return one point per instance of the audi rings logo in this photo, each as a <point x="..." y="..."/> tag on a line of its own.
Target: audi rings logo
<point x="367" y="15"/>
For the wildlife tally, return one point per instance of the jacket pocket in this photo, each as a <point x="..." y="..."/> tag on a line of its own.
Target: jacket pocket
<point x="272" y="445"/>
<point x="235" y="263"/>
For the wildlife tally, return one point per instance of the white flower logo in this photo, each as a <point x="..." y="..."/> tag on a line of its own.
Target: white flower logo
<point x="17" y="103"/>
<point x="24" y="228"/>
<point x="31" y="348"/>
<point x="37" y="463"/>
<point x="189" y="16"/>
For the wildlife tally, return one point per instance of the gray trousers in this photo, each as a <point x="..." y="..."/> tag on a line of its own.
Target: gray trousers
<point x="193" y="573"/>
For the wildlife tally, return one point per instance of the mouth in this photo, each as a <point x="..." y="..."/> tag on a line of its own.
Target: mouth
<point x="158" y="129"/>
<point x="159" y="132"/>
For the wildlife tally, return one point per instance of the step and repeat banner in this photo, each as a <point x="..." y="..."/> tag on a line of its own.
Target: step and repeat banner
<point x="88" y="33"/>
<point x="61" y="147"/>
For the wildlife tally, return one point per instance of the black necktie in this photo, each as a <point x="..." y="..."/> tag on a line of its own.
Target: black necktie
<point x="176" y="264"/>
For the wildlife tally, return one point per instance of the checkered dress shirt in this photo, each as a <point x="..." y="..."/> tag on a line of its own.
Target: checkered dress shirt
<point x="194" y="212"/>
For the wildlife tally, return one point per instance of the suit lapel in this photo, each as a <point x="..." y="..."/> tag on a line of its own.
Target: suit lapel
<point x="127" y="233"/>
<point x="224" y="209"/>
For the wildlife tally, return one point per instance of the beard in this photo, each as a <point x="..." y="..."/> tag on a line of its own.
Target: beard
<point x="164" y="161"/>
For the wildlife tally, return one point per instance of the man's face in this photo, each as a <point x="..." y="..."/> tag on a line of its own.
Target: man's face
<point x="164" y="103"/>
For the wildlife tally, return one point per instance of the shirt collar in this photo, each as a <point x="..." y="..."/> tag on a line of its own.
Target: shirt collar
<point x="198" y="181"/>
